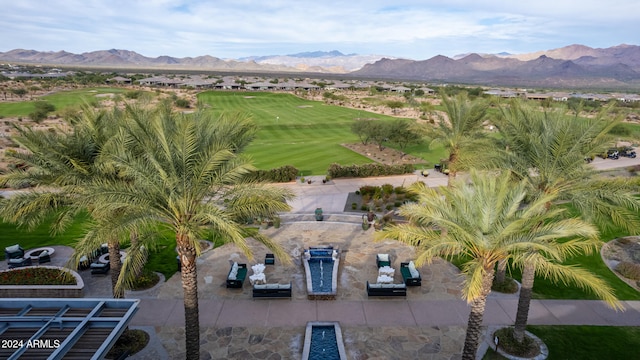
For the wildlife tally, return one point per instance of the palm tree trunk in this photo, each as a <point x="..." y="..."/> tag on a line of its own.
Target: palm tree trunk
<point x="115" y="267"/>
<point x="501" y="273"/>
<point x="524" y="301"/>
<point x="453" y="159"/>
<point x="187" y="254"/>
<point x="474" y="325"/>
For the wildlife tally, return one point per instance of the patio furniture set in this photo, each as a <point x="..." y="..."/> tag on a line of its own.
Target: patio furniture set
<point x="385" y="286"/>
<point x="261" y="289"/>
<point x="17" y="257"/>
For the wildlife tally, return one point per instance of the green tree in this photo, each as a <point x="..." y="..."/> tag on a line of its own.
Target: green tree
<point x="461" y="133"/>
<point x="487" y="221"/>
<point x="361" y="128"/>
<point x="547" y="150"/>
<point x="188" y="175"/>
<point x="402" y="134"/>
<point x="19" y="91"/>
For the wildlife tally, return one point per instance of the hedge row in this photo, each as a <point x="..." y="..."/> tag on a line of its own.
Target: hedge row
<point x="368" y="170"/>
<point x="282" y="174"/>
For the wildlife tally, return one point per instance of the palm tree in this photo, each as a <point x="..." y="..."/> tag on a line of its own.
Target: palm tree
<point x="188" y="174"/>
<point x="547" y="149"/>
<point x="485" y="222"/>
<point x="58" y="166"/>
<point x="461" y="132"/>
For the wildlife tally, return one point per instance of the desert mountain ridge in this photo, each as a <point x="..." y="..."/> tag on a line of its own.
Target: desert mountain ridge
<point x="570" y="66"/>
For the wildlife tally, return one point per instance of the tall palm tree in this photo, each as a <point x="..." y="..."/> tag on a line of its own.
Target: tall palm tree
<point x="58" y="166"/>
<point x="485" y="222"/>
<point x="461" y="132"/>
<point x="547" y="149"/>
<point x="187" y="174"/>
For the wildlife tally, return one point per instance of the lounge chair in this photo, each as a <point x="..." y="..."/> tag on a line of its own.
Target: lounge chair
<point x="99" y="268"/>
<point x="383" y="260"/>
<point x="21" y="262"/>
<point x="83" y="263"/>
<point x="44" y="257"/>
<point x="236" y="276"/>
<point x="13" y="252"/>
<point x="410" y="274"/>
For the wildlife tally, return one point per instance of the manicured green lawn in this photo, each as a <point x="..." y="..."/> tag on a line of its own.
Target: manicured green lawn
<point x="60" y="100"/>
<point x="585" y="342"/>
<point x="293" y="131"/>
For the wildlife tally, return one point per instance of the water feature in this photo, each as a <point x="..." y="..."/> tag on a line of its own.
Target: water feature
<point x="321" y="268"/>
<point x="323" y="341"/>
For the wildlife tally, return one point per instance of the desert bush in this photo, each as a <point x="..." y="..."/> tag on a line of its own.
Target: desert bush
<point x="368" y="170"/>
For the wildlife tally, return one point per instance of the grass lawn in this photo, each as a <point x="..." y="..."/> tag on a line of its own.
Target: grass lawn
<point x="60" y="100"/>
<point x="162" y="258"/>
<point x="294" y="131"/>
<point x="586" y="342"/>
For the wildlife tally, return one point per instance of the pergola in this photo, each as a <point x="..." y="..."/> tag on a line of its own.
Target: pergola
<point x="62" y="328"/>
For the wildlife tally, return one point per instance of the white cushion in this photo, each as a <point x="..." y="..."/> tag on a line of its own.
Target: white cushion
<point x="412" y="269"/>
<point x="44" y="253"/>
<point x="383" y="257"/>
<point x="13" y="248"/>
<point x="272" y="286"/>
<point x="233" y="274"/>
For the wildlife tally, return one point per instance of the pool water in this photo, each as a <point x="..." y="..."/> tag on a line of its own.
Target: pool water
<point x="324" y="345"/>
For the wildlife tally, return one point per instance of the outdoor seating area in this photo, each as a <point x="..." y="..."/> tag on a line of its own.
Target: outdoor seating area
<point x="237" y="274"/>
<point x="410" y="274"/>
<point x="272" y="290"/>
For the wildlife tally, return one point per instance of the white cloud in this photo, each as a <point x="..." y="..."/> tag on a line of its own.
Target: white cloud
<point x="242" y="28"/>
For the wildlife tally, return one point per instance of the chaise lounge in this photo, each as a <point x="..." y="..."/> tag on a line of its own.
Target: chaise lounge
<point x="386" y="289"/>
<point x="272" y="290"/>
<point x="19" y="262"/>
<point x="410" y="274"/>
<point x="99" y="268"/>
<point x="13" y="252"/>
<point x="383" y="260"/>
<point x="236" y="276"/>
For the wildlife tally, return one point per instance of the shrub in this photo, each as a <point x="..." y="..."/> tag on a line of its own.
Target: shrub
<point x="389" y="207"/>
<point x="397" y="204"/>
<point x="368" y="170"/>
<point x="387" y="189"/>
<point x="629" y="270"/>
<point x="364" y="208"/>
<point x="183" y="103"/>
<point x="133" y="94"/>
<point x="37" y="276"/>
<point x="146" y="280"/>
<point x="354" y="206"/>
<point x="282" y="174"/>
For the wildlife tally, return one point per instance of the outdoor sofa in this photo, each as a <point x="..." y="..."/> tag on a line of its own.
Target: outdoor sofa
<point x="410" y="274"/>
<point x="272" y="290"/>
<point x="236" y="276"/>
<point x="386" y="289"/>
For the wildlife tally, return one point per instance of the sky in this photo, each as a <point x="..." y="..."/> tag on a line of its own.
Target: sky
<point x="235" y="29"/>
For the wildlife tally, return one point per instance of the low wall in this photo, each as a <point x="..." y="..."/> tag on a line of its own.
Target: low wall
<point x="44" y="291"/>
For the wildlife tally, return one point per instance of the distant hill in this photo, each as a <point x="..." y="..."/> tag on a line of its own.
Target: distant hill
<point x="571" y="66"/>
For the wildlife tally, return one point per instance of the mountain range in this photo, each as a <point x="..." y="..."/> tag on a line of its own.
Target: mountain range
<point x="570" y="66"/>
